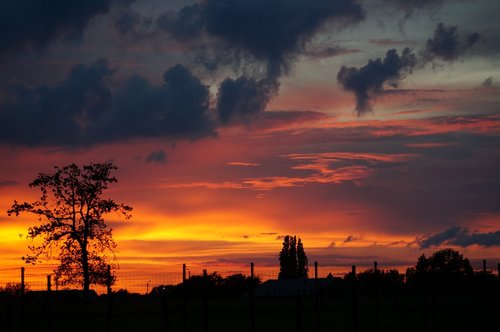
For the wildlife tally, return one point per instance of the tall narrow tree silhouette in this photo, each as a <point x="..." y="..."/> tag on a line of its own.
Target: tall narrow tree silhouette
<point x="285" y="269"/>
<point x="302" y="262"/>
<point x="71" y="209"/>
<point x="293" y="259"/>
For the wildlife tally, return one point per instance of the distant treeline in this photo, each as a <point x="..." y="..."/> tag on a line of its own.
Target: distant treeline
<point x="445" y="271"/>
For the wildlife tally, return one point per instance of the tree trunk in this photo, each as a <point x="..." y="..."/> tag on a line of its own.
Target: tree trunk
<point x="86" y="272"/>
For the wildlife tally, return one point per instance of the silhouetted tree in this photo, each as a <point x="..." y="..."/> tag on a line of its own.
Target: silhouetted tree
<point x="293" y="259"/>
<point x="285" y="270"/>
<point x="214" y="285"/>
<point x="380" y="278"/>
<point x="71" y="209"/>
<point x="237" y="284"/>
<point x="302" y="262"/>
<point x="446" y="268"/>
<point x="446" y="263"/>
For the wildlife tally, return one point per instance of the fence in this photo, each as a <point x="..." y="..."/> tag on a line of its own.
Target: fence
<point x="142" y="283"/>
<point x="351" y="307"/>
<point x="133" y="282"/>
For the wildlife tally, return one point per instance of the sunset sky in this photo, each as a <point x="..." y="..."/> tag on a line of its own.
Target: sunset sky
<point x="369" y="128"/>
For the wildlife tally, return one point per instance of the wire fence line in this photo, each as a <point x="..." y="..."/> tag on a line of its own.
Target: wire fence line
<point x="35" y="279"/>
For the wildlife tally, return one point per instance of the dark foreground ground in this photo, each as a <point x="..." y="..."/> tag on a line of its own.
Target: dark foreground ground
<point x="416" y="312"/>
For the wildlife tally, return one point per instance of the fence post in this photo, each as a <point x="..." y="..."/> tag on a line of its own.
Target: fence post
<point x="184" y="300"/>
<point x="376" y="294"/>
<point x="109" y="297"/>
<point x="316" y="294"/>
<point x="48" y="304"/>
<point x="23" y="290"/>
<point x="354" y="300"/>
<point x="205" y="301"/>
<point x="252" y="298"/>
<point x="484" y="265"/>
<point x="498" y="270"/>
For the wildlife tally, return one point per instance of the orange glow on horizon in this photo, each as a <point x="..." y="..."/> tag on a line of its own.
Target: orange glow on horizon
<point x="222" y="202"/>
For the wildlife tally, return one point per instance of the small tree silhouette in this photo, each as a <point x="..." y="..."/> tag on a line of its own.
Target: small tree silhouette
<point x="445" y="264"/>
<point x="293" y="259"/>
<point x="72" y="208"/>
<point x="446" y="269"/>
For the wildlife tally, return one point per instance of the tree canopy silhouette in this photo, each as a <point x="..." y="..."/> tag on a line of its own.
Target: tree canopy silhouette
<point x="71" y="210"/>
<point x="446" y="263"/>
<point x="293" y="259"/>
<point x="446" y="267"/>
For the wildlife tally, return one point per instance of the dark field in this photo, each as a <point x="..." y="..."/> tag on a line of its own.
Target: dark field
<point x="128" y="312"/>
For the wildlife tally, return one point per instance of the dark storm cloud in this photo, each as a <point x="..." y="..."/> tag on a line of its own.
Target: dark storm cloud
<point x="83" y="109"/>
<point x="186" y="24"/>
<point x="483" y="239"/>
<point x="368" y="82"/>
<point x="461" y="237"/>
<point x="447" y="44"/>
<point x="34" y="24"/>
<point x="243" y="99"/>
<point x="56" y="114"/>
<point x="127" y="21"/>
<point x="263" y="37"/>
<point x="272" y="31"/>
<point x="178" y="108"/>
<point x="409" y="7"/>
<point x="439" y="238"/>
<point x="158" y="156"/>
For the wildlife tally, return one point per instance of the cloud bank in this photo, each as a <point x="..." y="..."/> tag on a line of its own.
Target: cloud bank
<point x="460" y="237"/>
<point x="33" y="24"/>
<point x="84" y="110"/>
<point x="244" y="98"/>
<point x="272" y="31"/>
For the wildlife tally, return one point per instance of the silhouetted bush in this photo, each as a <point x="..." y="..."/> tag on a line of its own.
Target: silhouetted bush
<point x="212" y="285"/>
<point x="382" y="280"/>
<point x="13" y="289"/>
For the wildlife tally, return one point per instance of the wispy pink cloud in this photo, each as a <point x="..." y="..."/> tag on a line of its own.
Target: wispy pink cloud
<point x="240" y="163"/>
<point x="322" y="169"/>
